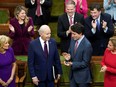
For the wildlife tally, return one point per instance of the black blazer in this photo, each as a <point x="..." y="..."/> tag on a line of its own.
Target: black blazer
<point x="63" y="26"/>
<point x="32" y="9"/>
<point x="99" y="40"/>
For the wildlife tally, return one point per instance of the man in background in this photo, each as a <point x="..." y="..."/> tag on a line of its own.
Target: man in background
<point x="64" y="22"/>
<point x="98" y="29"/>
<point x="39" y="10"/>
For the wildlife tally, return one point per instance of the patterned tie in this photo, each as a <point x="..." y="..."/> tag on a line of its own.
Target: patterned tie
<point x="76" y="45"/>
<point x="98" y="25"/>
<point x="38" y="8"/>
<point x="45" y="49"/>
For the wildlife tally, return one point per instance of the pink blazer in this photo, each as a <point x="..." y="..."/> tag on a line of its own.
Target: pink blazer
<point x="84" y="10"/>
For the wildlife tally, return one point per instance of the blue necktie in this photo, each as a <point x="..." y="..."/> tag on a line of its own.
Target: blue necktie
<point x="98" y="25"/>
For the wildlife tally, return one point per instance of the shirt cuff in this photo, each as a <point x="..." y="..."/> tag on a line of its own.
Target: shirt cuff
<point x="105" y="30"/>
<point x="34" y="77"/>
<point x="93" y="31"/>
<point x="32" y="2"/>
<point x="42" y="1"/>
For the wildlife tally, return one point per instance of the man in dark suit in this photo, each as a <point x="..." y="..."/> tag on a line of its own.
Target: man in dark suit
<point x="64" y="22"/>
<point x="79" y="57"/>
<point x="42" y="56"/>
<point x="44" y="7"/>
<point x="98" y="29"/>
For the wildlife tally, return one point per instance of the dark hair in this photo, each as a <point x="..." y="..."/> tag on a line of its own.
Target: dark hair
<point x="78" y="28"/>
<point x="95" y="6"/>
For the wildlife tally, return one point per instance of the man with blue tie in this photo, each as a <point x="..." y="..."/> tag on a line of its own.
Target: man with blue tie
<point x="42" y="56"/>
<point x="98" y="29"/>
<point x="79" y="57"/>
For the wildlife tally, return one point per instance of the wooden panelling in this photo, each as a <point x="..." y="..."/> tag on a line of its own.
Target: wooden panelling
<point x="11" y="1"/>
<point x="4" y="29"/>
<point x="92" y="1"/>
<point x="11" y="4"/>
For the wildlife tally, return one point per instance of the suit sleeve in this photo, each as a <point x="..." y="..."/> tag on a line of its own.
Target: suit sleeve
<point x="57" y="62"/>
<point x="61" y="32"/>
<point x="31" y="61"/>
<point x="110" y="30"/>
<point x="47" y="3"/>
<point x="28" y="4"/>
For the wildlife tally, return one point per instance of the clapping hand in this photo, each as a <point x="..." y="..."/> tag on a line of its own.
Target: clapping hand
<point x="94" y="24"/>
<point x="104" y="24"/>
<point x="103" y="69"/>
<point x="30" y="28"/>
<point x="11" y="28"/>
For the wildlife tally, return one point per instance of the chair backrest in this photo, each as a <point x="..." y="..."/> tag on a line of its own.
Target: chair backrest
<point x="97" y="76"/>
<point x="4" y="15"/>
<point x="22" y="68"/>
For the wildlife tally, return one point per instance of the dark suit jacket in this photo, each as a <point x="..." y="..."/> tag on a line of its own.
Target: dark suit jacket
<point x="99" y="40"/>
<point x="80" y="70"/>
<point x="41" y="66"/>
<point x="21" y="37"/>
<point x="45" y="10"/>
<point x="63" y="26"/>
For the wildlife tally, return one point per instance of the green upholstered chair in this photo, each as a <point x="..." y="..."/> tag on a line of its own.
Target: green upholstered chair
<point x="4" y="16"/>
<point x="53" y="27"/>
<point x="97" y="76"/>
<point x="64" y="81"/>
<point x="57" y="8"/>
<point x="27" y="81"/>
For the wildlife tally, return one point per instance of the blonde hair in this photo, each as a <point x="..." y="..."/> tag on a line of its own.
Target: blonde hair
<point x="113" y="40"/>
<point x="3" y="40"/>
<point x="18" y="9"/>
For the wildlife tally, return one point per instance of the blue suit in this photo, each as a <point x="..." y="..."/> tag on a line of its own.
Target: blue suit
<point x="80" y="71"/>
<point x="41" y="66"/>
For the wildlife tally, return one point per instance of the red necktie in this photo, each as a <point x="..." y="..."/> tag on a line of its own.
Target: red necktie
<point x="45" y="49"/>
<point x="76" y="45"/>
<point x="71" y="21"/>
<point x="38" y="8"/>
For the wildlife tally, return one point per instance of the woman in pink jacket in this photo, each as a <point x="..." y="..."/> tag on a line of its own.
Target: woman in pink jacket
<point x="81" y="6"/>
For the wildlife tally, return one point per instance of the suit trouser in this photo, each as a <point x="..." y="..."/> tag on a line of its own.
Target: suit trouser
<point x="74" y="84"/>
<point x="46" y="84"/>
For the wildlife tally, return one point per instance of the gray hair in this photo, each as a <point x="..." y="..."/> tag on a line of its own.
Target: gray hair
<point x="43" y="28"/>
